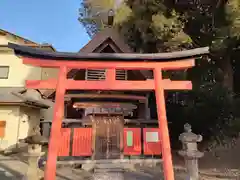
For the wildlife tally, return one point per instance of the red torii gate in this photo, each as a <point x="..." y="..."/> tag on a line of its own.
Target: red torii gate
<point x="66" y="62"/>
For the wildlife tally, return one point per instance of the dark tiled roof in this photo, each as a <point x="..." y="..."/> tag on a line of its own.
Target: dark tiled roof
<point x="28" y="42"/>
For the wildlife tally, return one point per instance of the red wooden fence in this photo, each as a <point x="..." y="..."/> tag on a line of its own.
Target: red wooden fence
<point x="136" y="147"/>
<point x="82" y="142"/>
<point x="64" y="148"/>
<point x="151" y="139"/>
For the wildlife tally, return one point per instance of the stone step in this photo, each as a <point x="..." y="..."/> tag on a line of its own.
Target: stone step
<point x="108" y="166"/>
<point x="111" y="170"/>
<point x="102" y="168"/>
<point x="108" y="176"/>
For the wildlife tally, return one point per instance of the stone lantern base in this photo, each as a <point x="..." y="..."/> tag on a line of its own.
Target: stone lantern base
<point x="34" y="153"/>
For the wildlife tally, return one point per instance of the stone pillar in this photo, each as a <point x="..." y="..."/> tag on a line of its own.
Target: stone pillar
<point x="190" y="152"/>
<point x="34" y="153"/>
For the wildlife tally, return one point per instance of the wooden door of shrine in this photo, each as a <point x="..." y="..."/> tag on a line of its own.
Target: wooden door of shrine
<point x="108" y="131"/>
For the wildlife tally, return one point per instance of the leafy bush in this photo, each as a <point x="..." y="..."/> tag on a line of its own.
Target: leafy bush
<point x="211" y="111"/>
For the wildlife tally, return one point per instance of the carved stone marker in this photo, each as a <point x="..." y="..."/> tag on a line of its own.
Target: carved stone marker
<point x="190" y="152"/>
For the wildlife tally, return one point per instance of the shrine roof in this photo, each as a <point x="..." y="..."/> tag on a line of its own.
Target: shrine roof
<point x="26" y="51"/>
<point x="20" y="96"/>
<point x="108" y="36"/>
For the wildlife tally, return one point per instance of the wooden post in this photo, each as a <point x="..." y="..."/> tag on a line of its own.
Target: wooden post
<point x="93" y="138"/>
<point x="163" y="125"/>
<point x="108" y="137"/>
<point x="147" y="109"/>
<point x="50" y="170"/>
<point x="122" y="140"/>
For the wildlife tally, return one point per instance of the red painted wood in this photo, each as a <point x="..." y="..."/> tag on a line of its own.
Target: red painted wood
<point x="163" y="126"/>
<point x="82" y="142"/>
<point x="172" y="65"/>
<point x="151" y="148"/>
<point x="64" y="149"/>
<point x="109" y="85"/>
<point x="137" y="145"/>
<point x="54" y="141"/>
<point x="110" y="75"/>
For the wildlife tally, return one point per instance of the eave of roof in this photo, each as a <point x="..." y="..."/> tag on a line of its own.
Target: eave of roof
<point x="4" y="32"/>
<point x="31" y="101"/>
<point x="5" y="48"/>
<point x="42" y="46"/>
<point x="23" y="104"/>
<point x="62" y="56"/>
<point x="13" y="96"/>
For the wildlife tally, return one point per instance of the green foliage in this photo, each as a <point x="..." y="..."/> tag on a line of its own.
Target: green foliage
<point x="211" y="108"/>
<point x="122" y="13"/>
<point x="153" y="28"/>
<point x="147" y="25"/>
<point x="212" y="111"/>
<point x="93" y="14"/>
<point x="232" y="10"/>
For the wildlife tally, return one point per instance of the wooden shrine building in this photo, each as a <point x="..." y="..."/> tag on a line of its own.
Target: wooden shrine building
<point x="104" y="88"/>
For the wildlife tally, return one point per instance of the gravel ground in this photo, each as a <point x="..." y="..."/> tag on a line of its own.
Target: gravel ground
<point x="67" y="173"/>
<point x="210" y="174"/>
<point x="14" y="169"/>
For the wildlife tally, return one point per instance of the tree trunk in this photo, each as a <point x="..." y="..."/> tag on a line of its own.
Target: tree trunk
<point x="227" y="73"/>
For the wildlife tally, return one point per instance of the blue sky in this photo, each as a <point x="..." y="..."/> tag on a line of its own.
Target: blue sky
<point x="45" y="21"/>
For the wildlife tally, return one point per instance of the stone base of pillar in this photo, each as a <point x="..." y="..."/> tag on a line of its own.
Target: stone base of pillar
<point x="33" y="171"/>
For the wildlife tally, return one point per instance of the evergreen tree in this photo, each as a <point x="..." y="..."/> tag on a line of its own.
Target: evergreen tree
<point x="214" y="23"/>
<point x="147" y="24"/>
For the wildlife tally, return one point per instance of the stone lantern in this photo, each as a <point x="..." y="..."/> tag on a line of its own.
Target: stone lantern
<point x="34" y="153"/>
<point x="190" y="151"/>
